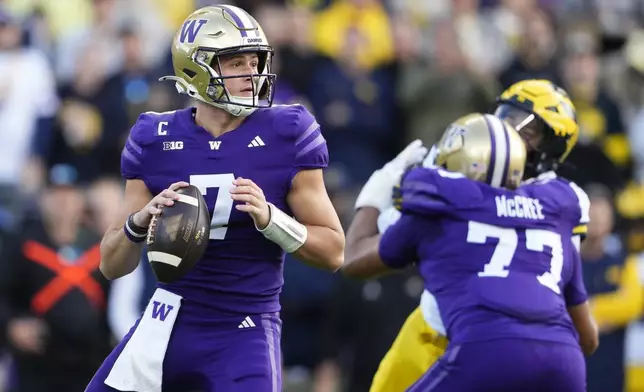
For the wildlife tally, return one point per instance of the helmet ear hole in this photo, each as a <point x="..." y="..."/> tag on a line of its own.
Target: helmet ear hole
<point x="189" y="73"/>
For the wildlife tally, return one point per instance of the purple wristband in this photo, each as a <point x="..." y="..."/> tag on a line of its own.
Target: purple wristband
<point x="132" y="235"/>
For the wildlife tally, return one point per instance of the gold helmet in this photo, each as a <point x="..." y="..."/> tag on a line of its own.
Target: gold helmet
<point x="207" y="34"/>
<point x="483" y="148"/>
<point x="541" y="107"/>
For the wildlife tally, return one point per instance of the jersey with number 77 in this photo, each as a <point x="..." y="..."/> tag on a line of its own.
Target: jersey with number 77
<point x="500" y="263"/>
<point x="241" y="270"/>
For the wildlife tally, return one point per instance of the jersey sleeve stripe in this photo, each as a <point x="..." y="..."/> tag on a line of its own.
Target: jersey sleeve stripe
<point x="312" y="128"/>
<point x="305" y="142"/>
<point x="130" y="157"/>
<point x="137" y="149"/>
<point x="317" y="142"/>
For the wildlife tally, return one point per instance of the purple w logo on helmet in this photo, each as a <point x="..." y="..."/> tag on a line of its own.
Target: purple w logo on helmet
<point x="190" y="29"/>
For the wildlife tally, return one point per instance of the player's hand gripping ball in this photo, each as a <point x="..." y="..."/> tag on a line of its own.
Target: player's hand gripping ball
<point x="165" y="198"/>
<point x="252" y="200"/>
<point x="178" y="233"/>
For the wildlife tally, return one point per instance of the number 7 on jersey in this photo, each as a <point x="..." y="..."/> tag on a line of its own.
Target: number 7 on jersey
<point x="223" y="203"/>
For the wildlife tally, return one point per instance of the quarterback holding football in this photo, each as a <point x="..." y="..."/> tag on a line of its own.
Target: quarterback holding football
<point x="215" y="326"/>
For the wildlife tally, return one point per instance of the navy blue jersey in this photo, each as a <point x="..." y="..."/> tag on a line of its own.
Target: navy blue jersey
<point x="241" y="271"/>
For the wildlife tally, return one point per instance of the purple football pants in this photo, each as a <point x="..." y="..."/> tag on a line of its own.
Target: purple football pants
<point x="207" y="355"/>
<point x="506" y="365"/>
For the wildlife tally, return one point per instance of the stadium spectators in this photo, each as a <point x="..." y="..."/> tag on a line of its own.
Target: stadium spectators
<point x="615" y="294"/>
<point x="52" y="294"/>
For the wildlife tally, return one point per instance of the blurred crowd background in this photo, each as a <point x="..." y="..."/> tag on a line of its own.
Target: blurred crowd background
<point x="75" y="74"/>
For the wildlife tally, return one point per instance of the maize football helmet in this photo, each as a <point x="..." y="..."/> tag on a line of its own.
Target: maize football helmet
<point x="215" y="31"/>
<point x="483" y="148"/>
<point x="541" y="107"/>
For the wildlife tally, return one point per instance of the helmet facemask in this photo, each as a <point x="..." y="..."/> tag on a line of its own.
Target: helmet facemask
<point x="544" y="148"/>
<point x="216" y="93"/>
<point x="262" y="82"/>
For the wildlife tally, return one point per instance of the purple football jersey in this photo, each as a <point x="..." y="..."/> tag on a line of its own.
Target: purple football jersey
<point x="500" y="263"/>
<point x="241" y="271"/>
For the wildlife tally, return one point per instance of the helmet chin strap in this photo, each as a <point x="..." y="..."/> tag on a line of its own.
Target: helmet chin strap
<point x="234" y="108"/>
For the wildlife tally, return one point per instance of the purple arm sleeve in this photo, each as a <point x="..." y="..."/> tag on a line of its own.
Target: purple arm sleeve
<point x="399" y="244"/>
<point x="575" y="290"/>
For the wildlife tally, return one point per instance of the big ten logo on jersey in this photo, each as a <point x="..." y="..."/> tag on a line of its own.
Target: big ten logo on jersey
<point x="177" y="145"/>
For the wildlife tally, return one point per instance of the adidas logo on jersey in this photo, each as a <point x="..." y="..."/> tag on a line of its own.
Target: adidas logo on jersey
<point x="247" y="323"/>
<point x="257" y="142"/>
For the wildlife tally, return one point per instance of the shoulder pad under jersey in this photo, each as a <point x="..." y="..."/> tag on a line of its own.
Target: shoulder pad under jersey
<point x="433" y="191"/>
<point x="572" y="201"/>
<point x="145" y="132"/>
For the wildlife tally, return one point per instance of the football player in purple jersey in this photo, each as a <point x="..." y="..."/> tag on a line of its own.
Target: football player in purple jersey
<point x="501" y="265"/>
<point x="546" y="121"/>
<point x="259" y="168"/>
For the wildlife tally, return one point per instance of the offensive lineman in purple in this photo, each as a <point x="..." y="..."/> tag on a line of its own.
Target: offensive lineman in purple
<point x="259" y="169"/>
<point x="490" y="231"/>
<point x="501" y="265"/>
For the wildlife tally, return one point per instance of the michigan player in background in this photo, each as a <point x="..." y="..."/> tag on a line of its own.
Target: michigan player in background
<point x="500" y="263"/>
<point x="218" y="327"/>
<point x="545" y="118"/>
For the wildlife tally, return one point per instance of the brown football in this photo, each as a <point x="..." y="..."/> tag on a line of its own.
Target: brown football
<point x="178" y="237"/>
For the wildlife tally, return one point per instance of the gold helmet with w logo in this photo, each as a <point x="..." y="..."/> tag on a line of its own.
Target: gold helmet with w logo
<point x="541" y="109"/>
<point x="483" y="148"/>
<point x="215" y="31"/>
